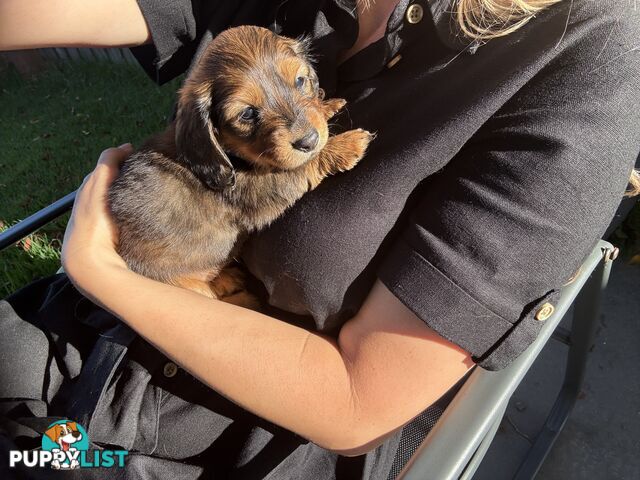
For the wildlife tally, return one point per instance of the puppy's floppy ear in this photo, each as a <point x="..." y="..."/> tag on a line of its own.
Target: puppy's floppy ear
<point x="300" y="46"/>
<point x="196" y="142"/>
<point x="53" y="433"/>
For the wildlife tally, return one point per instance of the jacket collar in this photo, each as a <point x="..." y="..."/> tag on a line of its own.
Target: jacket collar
<point x="443" y="13"/>
<point x="443" y="16"/>
<point x="439" y="17"/>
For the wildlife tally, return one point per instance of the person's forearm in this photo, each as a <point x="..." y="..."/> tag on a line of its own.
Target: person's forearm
<point x="283" y="373"/>
<point x="346" y="395"/>
<point x="54" y="23"/>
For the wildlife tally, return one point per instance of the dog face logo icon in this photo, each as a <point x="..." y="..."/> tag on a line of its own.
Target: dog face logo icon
<point x="65" y="440"/>
<point x="65" y="446"/>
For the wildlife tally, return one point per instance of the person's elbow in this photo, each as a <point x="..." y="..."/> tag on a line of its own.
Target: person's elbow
<point x="397" y="366"/>
<point x="362" y="423"/>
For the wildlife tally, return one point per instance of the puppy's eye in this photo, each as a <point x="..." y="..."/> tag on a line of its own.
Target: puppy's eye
<point x="248" y="114"/>
<point x="300" y="82"/>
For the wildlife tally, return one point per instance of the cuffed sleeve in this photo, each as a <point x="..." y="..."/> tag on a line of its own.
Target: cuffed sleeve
<point x="172" y="26"/>
<point x="511" y="218"/>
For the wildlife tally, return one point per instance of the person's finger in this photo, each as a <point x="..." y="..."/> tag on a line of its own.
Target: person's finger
<point x="113" y="157"/>
<point x="85" y="180"/>
<point x="109" y="163"/>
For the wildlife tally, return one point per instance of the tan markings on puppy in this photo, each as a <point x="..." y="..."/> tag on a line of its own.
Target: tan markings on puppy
<point x="298" y="74"/>
<point x="333" y="106"/>
<point x="202" y="92"/>
<point x="228" y="286"/>
<point x="182" y="209"/>
<point x="194" y="284"/>
<point x="342" y="152"/>
<point x="229" y="281"/>
<point x="244" y="299"/>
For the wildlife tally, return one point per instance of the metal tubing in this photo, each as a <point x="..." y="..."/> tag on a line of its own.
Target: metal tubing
<point x="583" y="329"/>
<point x="476" y="460"/>
<point x="37" y="220"/>
<point x="469" y="418"/>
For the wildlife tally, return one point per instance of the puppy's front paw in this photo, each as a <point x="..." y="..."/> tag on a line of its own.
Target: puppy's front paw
<point x="353" y="145"/>
<point x="229" y="280"/>
<point x="244" y="299"/>
<point x="333" y="106"/>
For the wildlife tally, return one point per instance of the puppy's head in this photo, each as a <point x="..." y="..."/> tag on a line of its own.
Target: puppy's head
<point x="64" y="433"/>
<point x="252" y="94"/>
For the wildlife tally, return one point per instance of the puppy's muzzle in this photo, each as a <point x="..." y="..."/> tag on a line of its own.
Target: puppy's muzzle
<point x="308" y="142"/>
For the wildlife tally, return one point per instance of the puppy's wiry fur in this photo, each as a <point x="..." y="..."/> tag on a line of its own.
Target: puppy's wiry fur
<point x="181" y="206"/>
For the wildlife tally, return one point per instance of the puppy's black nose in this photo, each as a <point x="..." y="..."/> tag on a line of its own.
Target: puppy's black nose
<point x="308" y="142"/>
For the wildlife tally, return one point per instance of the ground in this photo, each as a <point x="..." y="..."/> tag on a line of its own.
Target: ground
<point x="600" y="439"/>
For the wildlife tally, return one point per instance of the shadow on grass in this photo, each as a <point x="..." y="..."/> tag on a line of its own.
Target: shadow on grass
<point x="34" y="257"/>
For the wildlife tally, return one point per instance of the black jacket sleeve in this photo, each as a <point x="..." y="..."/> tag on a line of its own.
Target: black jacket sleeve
<point x="179" y="28"/>
<point x="512" y="217"/>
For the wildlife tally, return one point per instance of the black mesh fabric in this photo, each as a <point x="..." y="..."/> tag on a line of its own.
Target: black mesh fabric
<point x="415" y="431"/>
<point x="412" y="436"/>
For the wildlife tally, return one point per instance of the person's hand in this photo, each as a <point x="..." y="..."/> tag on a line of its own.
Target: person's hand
<point x="91" y="236"/>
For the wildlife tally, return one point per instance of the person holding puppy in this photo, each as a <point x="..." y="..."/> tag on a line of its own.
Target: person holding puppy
<point x="504" y="145"/>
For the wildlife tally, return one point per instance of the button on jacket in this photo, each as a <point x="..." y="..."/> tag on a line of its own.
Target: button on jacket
<point x="495" y="170"/>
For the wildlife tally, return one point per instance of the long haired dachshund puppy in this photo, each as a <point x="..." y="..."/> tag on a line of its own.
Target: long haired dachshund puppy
<point x="250" y="138"/>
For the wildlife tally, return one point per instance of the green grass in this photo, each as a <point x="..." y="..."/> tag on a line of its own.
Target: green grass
<point x="52" y="129"/>
<point x="36" y="256"/>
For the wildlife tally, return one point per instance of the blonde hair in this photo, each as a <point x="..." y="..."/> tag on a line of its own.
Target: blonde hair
<point x="487" y="19"/>
<point x="634" y="184"/>
<point x="483" y="20"/>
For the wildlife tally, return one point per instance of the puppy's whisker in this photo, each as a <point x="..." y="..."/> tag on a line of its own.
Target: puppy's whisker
<point x="261" y="154"/>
